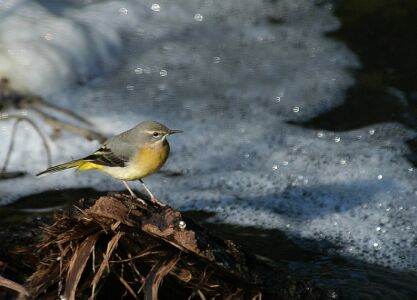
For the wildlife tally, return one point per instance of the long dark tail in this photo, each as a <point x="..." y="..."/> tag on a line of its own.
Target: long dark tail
<point x="57" y="168"/>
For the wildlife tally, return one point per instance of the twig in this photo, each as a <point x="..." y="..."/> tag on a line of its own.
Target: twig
<point x="14" y="286"/>
<point x="126" y="285"/>
<point x="59" y="125"/>
<point x="38" y="101"/>
<point x="11" y="145"/>
<point x="10" y="98"/>
<point x="145" y="253"/>
<point x="203" y="280"/>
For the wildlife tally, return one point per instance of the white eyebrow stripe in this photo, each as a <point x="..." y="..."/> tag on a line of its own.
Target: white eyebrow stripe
<point x="152" y="131"/>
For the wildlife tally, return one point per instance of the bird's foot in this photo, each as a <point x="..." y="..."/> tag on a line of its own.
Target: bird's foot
<point x="141" y="201"/>
<point x="155" y="201"/>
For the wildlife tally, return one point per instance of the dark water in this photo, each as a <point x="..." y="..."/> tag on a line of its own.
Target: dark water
<point x="383" y="34"/>
<point x="342" y="278"/>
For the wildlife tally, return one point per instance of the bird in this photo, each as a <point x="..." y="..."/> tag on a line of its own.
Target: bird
<point x="131" y="155"/>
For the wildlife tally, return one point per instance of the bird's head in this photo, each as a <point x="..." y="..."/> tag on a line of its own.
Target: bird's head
<point x="153" y="133"/>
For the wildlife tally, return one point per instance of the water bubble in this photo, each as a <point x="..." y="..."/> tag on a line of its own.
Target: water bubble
<point x="130" y="87"/>
<point x="216" y="60"/>
<point x="337" y="139"/>
<point x="247" y="155"/>
<point x="163" y="73"/>
<point x="296" y="109"/>
<point x="138" y="71"/>
<point x="288" y="225"/>
<point x="343" y="162"/>
<point x="48" y="36"/>
<point x="278" y="99"/>
<point x="156" y="7"/>
<point x="123" y="11"/>
<point x="378" y="228"/>
<point x="198" y="17"/>
<point x="410" y="169"/>
<point x="275" y="167"/>
<point x="320" y="134"/>
<point x="371" y="131"/>
<point x="182" y="225"/>
<point x="375" y="244"/>
<point x="379" y="177"/>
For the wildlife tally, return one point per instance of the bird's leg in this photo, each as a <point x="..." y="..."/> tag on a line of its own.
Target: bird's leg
<point x="132" y="193"/>
<point x="128" y="188"/>
<point x="153" y="198"/>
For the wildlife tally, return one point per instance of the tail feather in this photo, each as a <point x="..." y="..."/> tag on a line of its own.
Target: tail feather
<point x="57" y="168"/>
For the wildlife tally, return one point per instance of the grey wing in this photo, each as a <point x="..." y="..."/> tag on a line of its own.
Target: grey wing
<point x="112" y="154"/>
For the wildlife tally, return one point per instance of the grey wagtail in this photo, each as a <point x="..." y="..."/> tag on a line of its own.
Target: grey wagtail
<point x="131" y="155"/>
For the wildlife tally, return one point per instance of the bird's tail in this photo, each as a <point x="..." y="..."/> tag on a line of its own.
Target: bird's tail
<point x="57" y="168"/>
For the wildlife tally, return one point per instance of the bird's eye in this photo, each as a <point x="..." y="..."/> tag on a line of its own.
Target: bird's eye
<point x="155" y="134"/>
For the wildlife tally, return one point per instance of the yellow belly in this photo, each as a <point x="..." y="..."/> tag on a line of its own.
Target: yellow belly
<point x="146" y="162"/>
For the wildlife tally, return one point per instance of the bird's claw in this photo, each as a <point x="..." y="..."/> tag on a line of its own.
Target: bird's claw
<point x="141" y="201"/>
<point x="155" y="201"/>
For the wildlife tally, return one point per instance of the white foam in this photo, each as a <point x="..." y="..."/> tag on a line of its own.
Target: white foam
<point x="222" y="77"/>
<point x="47" y="51"/>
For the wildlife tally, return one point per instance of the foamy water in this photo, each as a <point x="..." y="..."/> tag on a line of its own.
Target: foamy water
<point x="220" y="71"/>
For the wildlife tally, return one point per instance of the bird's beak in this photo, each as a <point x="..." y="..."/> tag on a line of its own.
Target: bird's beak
<point x="172" y="131"/>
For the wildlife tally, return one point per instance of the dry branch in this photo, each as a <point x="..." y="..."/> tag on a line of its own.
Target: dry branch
<point x="21" y="290"/>
<point x="13" y="99"/>
<point x="11" y="144"/>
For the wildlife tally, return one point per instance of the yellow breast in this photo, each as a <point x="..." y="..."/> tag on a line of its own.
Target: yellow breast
<point x="150" y="160"/>
<point x="147" y="161"/>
